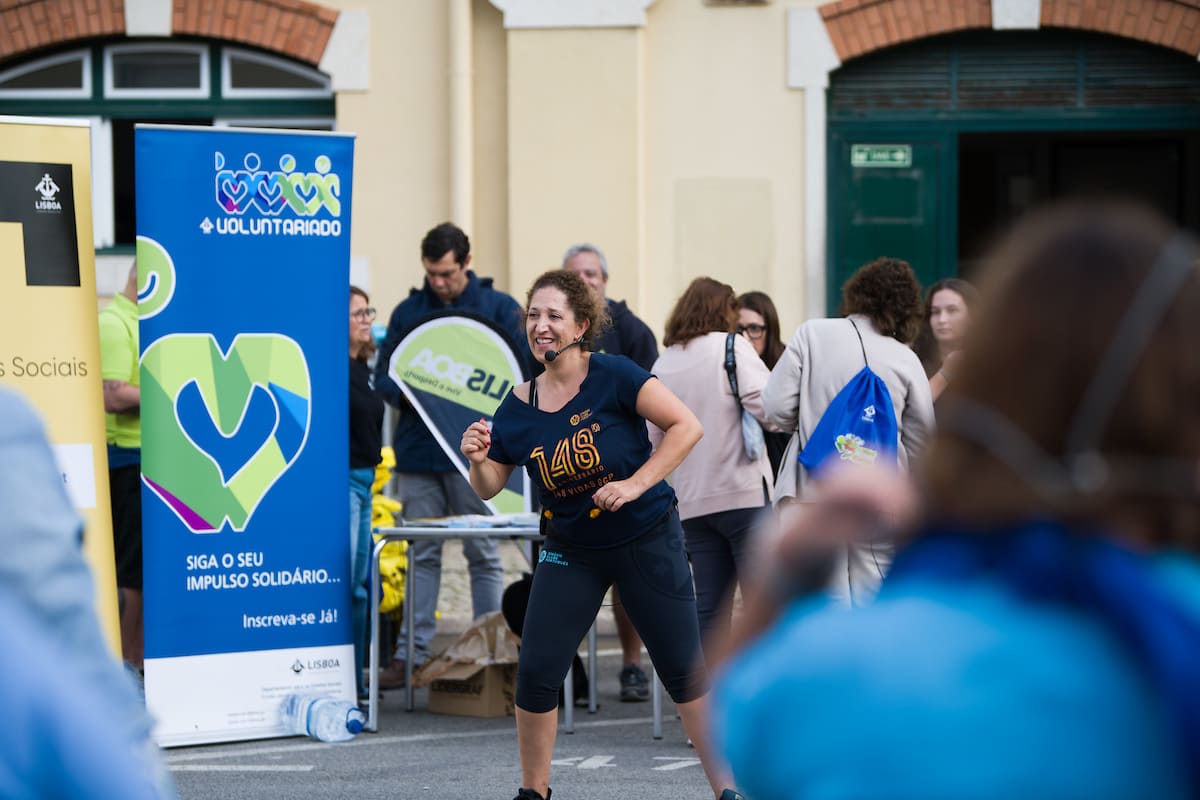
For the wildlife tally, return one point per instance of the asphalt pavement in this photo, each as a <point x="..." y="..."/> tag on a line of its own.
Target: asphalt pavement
<point x="422" y="755"/>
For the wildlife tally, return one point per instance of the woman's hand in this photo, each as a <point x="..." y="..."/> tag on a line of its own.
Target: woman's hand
<point x="611" y="496"/>
<point x="854" y="503"/>
<point x="476" y="442"/>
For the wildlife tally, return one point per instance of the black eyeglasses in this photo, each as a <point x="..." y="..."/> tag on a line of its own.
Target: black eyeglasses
<point x="364" y="313"/>
<point x="752" y="331"/>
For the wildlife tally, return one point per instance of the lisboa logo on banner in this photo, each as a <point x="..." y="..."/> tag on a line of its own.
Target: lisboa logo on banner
<point x="275" y="202"/>
<point x="48" y="190"/>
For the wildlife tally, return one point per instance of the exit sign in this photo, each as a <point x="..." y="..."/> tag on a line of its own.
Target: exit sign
<point x="880" y="155"/>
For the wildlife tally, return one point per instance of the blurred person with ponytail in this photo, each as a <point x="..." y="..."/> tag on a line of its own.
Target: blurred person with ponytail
<point x="1038" y="633"/>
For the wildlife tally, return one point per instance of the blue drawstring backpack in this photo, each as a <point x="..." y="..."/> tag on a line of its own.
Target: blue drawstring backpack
<point x="859" y="426"/>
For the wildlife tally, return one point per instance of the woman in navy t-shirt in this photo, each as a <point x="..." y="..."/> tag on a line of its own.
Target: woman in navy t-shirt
<point x="579" y="429"/>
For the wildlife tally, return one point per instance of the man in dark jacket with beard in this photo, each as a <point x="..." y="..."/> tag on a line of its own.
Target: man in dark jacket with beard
<point x="626" y="336"/>
<point x="426" y="481"/>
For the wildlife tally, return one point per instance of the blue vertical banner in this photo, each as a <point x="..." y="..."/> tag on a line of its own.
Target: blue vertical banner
<point x="243" y="272"/>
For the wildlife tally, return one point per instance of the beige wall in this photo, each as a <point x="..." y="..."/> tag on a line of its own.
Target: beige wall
<point x="724" y="156"/>
<point x="490" y="238"/>
<point x="402" y="173"/>
<point x="575" y="143"/>
<point x="401" y="186"/>
<point x="675" y="147"/>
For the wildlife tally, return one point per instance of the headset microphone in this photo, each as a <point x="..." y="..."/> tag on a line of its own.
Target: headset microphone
<point x="553" y="354"/>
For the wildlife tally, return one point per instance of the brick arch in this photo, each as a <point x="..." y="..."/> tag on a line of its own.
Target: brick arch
<point x="292" y="28"/>
<point x="28" y="25"/>
<point x="858" y="27"/>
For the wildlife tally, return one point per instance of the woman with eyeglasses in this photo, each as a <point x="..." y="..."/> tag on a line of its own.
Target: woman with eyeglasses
<point x="722" y="492"/>
<point x="758" y="321"/>
<point x="366" y="441"/>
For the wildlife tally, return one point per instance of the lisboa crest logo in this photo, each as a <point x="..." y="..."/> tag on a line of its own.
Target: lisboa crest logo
<point x="227" y="424"/>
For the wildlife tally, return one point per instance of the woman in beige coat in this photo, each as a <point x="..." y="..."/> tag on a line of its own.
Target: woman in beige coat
<point x="883" y="300"/>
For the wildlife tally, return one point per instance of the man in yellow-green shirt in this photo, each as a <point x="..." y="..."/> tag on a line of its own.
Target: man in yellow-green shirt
<point x="123" y="431"/>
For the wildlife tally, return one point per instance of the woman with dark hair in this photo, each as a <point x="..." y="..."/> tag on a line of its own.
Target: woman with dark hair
<point x="722" y="492"/>
<point x="1039" y="636"/>
<point x="579" y="429"/>
<point x="948" y="306"/>
<point x="758" y="321"/>
<point x="881" y="307"/>
<point x="366" y="441"/>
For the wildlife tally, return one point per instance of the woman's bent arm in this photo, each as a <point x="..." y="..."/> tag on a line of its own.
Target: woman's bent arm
<point x="681" y="431"/>
<point x="656" y="403"/>
<point x="488" y="478"/>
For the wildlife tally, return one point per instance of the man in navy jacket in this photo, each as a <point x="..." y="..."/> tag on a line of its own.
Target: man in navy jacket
<point x="427" y="482"/>
<point x="627" y="335"/>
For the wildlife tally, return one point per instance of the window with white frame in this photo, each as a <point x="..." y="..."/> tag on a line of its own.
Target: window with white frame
<point x="248" y="74"/>
<point x="67" y="75"/>
<point x="161" y="81"/>
<point x="156" y="70"/>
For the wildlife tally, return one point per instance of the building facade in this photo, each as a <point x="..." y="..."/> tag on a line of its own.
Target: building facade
<point x="772" y="144"/>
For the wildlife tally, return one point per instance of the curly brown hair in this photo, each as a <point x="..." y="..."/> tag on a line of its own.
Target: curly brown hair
<point x="706" y="305"/>
<point x="887" y="292"/>
<point x="584" y="303"/>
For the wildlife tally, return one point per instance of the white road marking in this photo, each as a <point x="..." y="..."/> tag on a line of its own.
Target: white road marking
<point x="676" y="763"/>
<point x="242" y="767"/>
<point x="367" y="740"/>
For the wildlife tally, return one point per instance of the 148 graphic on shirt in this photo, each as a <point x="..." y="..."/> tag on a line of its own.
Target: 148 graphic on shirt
<point x="572" y="456"/>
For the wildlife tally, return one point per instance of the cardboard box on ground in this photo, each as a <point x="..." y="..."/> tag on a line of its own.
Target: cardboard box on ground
<point x="477" y="675"/>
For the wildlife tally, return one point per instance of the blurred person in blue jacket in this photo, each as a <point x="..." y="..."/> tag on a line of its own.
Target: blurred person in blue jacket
<point x="1038" y="636"/>
<point x="60" y="741"/>
<point x="427" y="483"/>
<point x="67" y="702"/>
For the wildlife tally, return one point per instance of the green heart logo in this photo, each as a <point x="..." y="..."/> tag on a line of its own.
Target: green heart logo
<point x="227" y="426"/>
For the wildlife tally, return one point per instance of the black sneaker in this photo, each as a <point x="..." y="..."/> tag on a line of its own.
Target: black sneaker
<point x="530" y="794"/>
<point x="730" y="794"/>
<point x="635" y="686"/>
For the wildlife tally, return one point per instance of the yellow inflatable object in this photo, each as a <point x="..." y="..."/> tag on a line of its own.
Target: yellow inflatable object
<point x="393" y="561"/>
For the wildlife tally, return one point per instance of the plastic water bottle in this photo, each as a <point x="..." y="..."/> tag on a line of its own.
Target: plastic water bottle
<point x="321" y="717"/>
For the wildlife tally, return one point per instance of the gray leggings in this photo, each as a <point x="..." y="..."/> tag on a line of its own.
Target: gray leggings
<point x="655" y="584"/>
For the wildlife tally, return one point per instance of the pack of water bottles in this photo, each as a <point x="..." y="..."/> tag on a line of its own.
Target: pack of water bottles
<point x="321" y="717"/>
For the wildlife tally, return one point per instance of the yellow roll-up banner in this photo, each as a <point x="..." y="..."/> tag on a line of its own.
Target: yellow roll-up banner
<point x="49" y="344"/>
